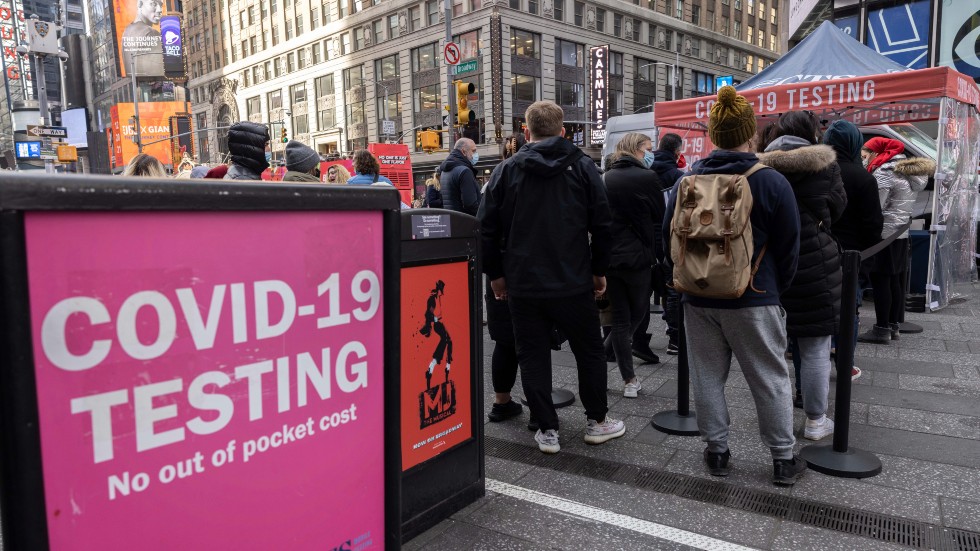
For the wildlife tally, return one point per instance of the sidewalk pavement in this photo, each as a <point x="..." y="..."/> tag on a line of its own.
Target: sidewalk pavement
<point x="916" y="406"/>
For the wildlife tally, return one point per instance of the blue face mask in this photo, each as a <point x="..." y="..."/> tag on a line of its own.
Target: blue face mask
<point x="268" y="157"/>
<point x="648" y="158"/>
<point x="476" y="157"/>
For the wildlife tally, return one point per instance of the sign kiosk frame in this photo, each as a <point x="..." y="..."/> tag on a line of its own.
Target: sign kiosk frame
<point x="227" y="502"/>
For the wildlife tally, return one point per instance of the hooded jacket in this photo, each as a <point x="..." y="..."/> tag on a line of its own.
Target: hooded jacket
<point x="665" y="165"/>
<point x="637" y="205"/>
<point x="860" y="225"/>
<point x="775" y="225"/>
<point x="812" y="301"/>
<point x="294" y="176"/>
<point x="246" y="149"/>
<point x="898" y="181"/>
<point x="538" y="213"/>
<point x="433" y="197"/>
<point x="459" y="188"/>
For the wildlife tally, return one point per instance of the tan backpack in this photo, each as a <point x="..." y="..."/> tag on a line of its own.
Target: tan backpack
<point x="711" y="235"/>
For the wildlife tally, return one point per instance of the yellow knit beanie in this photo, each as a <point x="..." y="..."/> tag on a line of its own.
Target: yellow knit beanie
<point x="731" y="122"/>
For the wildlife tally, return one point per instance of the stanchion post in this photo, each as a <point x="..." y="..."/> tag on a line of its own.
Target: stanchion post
<point x="682" y="421"/>
<point x="904" y="326"/>
<point x="837" y="459"/>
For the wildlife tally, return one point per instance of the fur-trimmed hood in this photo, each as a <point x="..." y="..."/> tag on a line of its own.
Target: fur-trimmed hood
<point x="916" y="166"/>
<point x="801" y="159"/>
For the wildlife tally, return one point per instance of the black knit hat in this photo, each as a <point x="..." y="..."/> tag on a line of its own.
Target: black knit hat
<point x="300" y="158"/>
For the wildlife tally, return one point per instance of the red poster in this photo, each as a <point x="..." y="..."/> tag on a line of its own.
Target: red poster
<point x="435" y="374"/>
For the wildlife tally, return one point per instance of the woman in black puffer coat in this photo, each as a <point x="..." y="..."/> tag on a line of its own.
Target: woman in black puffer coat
<point x="637" y="204"/>
<point x="812" y="302"/>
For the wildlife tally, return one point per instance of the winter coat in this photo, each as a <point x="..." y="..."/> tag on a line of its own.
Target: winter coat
<point x="637" y="205"/>
<point x="775" y="225"/>
<point x="665" y="165"/>
<point x="812" y="301"/>
<point x="293" y="176"/>
<point x="246" y="147"/>
<point x="898" y="181"/>
<point x="433" y="197"/>
<point x="538" y="213"/>
<point x="460" y="190"/>
<point x="860" y="225"/>
<point x="359" y="179"/>
<point x="239" y="172"/>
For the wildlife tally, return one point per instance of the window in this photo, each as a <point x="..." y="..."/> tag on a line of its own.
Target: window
<point x="325" y="86"/>
<point x="414" y="19"/>
<point x="642" y="102"/>
<point x="275" y="100"/>
<point x="299" y="25"/>
<point x="532" y="6"/>
<point x="393" y="27"/>
<point x="725" y="2"/>
<point x="275" y="35"/>
<point x="289" y="30"/>
<point x="772" y="15"/>
<point x="762" y="39"/>
<point x="476" y="5"/>
<point x="579" y="8"/>
<point x="772" y="42"/>
<point x="762" y="10"/>
<point x="341" y="9"/>
<point x="668" y="39"/>
<point x="569" y="53"/>
<point x="725" y="25"/>
<point x="678" y="44"/>
<point x="615" y="63"/>
<point x="515" y="4"/>
<point x="524" y="88"/>
<point x="617" y="25"/>
<point x="244" y="49"/>
<point x="570" y="94"/>
<point x="432" y="12"/>
<point x="251" y="45"/>
<point x="469" y="44"/>
<point x="457" y="8"/>
<point x="241" y="19"/>
<point x="738" y="4"/>
<point x="524" y="43"/>
<point x="424" y="58"/>
<point x="695" y="47"/>
<point x="326" y="115"/>
<point x="386" y="68"/>
<point x="354" y="77"/>
<point x="737" y="33"/>
<point x="265" y="41"/>
<point x="749" y="62"/>
<point x="750" y="34"/>
<point x="378" y="30"/>
<point x="651" y="35"/>
<point x="358" y="39"/>
<point x="251" y="15"/>
<point x="696" y="15"/>
<point x="274" y="6"/>
<point x="615" y="102"/>
<point x="253" y="106"/>
<point x="679" y="9"/>
<point x="427" y="97"/>
<point x="255" y="74"/>
<point x="297" y="93"/>
<point x="710" y="20"/>
<point x="759" y="64"/>
<point x="268" y="69"/>
<point x="277" y="65"/>
<point x="560" y="10"/>
<point x="302" y="58"/>
<point x="315" y="50"/>
<point x="345" y="44"/>
<point x="291" y="63"/>
<point x="600" y="20"/>
<point x="644" y="69"/>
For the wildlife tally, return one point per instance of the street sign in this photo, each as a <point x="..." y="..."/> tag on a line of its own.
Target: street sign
<point x="451" y="53"/>
<point x="47" y="131"/>
<point x="728" y="80"/>
<point x="445" y="120"/>
<point x="465" y="67"/>
<point x="388" y="127"/>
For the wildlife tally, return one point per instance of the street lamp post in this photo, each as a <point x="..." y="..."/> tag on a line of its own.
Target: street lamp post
<point x="41" y="52"/>
<point x="674" y="67"/>
<point x="385" y="87"/>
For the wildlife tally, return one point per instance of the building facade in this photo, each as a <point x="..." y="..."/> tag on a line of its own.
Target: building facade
<point x="323" y="70"/>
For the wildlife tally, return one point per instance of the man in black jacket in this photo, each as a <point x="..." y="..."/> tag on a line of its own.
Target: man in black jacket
<point x="459" y="188"/>
<point x="539" y="210"/>
<point x="246" y="150"/>
<point x="665" y="160"/>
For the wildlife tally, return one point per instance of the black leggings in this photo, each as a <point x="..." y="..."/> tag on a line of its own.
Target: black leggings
<point x="503" y="368"/>
<point x="888" y="298"/>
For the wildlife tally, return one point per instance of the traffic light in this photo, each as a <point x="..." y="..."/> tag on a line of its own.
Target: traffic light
<point x="464" y="115"/>
<point x="427" y="140"/>
<point x="282" y="134"/>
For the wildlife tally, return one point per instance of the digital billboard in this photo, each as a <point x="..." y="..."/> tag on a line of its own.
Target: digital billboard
<point x="901" y="33"/>
<point x="155" y="126"/>
<point x="137" y="26"/>
<point x="959" y="37"/>
<point x="76" y="123"/>
<point x="173" y="48"/>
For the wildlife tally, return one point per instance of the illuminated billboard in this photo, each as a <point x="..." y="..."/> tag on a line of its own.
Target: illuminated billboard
<point x="599" y="69"/>
<point x="173" y="47"/>
<point x="137" y="27"/>
<point x="959" y="37"/>
<point x="155" y="126"/>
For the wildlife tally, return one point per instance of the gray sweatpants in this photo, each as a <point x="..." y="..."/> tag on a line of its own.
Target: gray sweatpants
<point x="757" y="336"/>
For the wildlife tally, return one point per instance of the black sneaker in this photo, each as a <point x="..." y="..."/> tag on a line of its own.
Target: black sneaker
<point x="672" y="348"/>
<point x="503" y="412"/>
<point x="786" y="471"/>
<point x="717" y="462"/>
<point x="644" y="353"/>
<point x="532" y="424"/>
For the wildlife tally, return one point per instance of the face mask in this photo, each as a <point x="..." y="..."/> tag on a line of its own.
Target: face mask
<point x="268" y="157"/>
<point x="648" y="158"/>
<point x="476" y="157"/>
<point x="865" y="161"/>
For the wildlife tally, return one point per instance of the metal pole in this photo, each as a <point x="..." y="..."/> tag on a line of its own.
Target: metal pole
<point x="42" y="92"/>
<point x="677" y="66"/>
<point x="136" y="114"/>
<point x="450" y="128"/>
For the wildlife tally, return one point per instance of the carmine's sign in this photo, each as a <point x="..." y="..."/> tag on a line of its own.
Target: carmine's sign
<point x="598" y="102"/>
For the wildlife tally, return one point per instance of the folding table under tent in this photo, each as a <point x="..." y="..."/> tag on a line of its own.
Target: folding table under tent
<point x="941" y="94"/>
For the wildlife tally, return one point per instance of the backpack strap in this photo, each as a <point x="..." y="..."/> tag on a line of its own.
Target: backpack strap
<point x="755" y="168"/>
<point x="755" y="268"/>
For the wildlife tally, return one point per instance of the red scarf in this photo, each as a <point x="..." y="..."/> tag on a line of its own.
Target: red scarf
<point x="885" y="148"/>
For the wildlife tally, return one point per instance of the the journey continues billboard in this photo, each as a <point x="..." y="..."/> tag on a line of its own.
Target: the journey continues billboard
<point x="137" y="25"/>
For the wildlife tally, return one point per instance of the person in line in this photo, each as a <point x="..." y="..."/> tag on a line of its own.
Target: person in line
<point x="860" y="225"/>
<point x="217" y="173"/>
<point x="812" y="302"/>
<point x="458" y="185"/>
<point x="367" y="171"/>
<point x="337" y="174"/>
<point x="538" y="213"/>
<point x="199" y="171"/>
<point x="302" y="163"/>
<point x="899" y="180"/>
<point x="666" y="161"/>
<point x="433" y="192"/>
<point x="637" y="205"/>
<point x="246" y="151"/>
<point x="752" y="326"/>
<point x="145" y="165"/>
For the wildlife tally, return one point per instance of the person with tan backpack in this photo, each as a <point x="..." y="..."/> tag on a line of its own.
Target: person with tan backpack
<point x="734" y="234"/>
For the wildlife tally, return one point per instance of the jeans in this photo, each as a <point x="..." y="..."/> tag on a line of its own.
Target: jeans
<point x="629" y="296"/>
<point x="811" y="356"/>
<point x="578" y="318"/>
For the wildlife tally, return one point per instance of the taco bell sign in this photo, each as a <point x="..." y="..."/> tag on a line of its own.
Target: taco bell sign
<point x="599" y="69"/>
<point x="173" y="49"/>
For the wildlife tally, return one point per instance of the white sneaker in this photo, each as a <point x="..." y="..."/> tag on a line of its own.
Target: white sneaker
<point x="632" y="389"/>
<point x="815" y="429"/>
<point x="548" y="441"/>
<point x="597" y="433"/>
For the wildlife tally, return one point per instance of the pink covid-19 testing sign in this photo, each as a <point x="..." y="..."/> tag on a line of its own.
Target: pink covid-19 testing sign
<point x="209" y="380"/>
